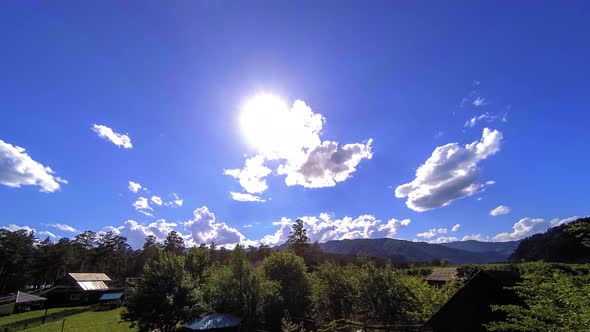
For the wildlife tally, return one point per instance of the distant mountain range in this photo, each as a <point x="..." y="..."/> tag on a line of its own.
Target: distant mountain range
<point x="459" y="252"/>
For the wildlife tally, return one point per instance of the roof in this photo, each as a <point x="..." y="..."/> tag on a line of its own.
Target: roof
<point x="443" y="274"/>
<point x="213" y="321"/>
<point x="89" y="276"/>
<point x="25" y="297"/>
<point x="92" y="285"/>
<point x="110" y="296"/>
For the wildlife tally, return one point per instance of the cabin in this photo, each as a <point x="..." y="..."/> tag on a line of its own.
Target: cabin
<point x="80" y="289"/>
<point x="470" y="308"/>
<point x="440" y="276"/>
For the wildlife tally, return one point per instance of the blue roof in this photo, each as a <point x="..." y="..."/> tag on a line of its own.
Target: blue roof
<point x="213" y="321"/>
<point x="110" y="296"/>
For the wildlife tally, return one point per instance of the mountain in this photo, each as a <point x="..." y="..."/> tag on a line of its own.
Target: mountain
<point x="504" y="248"/>
<point x="408" y="251"/>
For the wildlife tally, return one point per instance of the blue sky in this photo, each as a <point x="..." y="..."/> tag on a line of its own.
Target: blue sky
<point x="368" y="120"/>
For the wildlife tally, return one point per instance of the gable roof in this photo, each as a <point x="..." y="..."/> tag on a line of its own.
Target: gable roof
<point x="444" y="274"/>
<point x="26" y="297"/>
<point x="89" y="277"/>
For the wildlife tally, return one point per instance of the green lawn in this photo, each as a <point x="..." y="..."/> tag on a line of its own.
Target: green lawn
<point x="92" y="321"/>
<point x="25" y="315"/>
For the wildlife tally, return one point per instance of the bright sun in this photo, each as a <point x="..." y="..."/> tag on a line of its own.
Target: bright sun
<point x="263" y="121"/>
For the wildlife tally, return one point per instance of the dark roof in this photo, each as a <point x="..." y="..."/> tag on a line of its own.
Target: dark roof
<point x="213" y="321"/>
<point x="110" y="296"/>
<point x="443" y="274"/>
<point x="25" y="297"/>
<point x="89" y="276"/>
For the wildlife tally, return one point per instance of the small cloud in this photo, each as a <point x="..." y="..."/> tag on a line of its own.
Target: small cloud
<point x="134" y="186"/>
<point x="456" y="228"/>
<point x="47" y="234"/>
<point x="142" y="205"/>
<point x="442" y="231"/>
<point x="242" y="197"/>
<point x="443" y="239"/>
<point x="156" y="200"/>
<point x="247" y="226"/>
<point x="428" y="235"/>
<point x="521" y="229"/>
<point x="558" y="222"/>
<point x="63" y="227"/>
<point x="175" y="202"/>
<point x="500" y="210"/>
<point x="475" y="237"/>
<point x="145" y="213"/>
<point x="485" y="117"/>
<point x="115" y="138"/>
<point x="439" y="134"/>
<point x="490" y="182"/>
<point x="479" y="102"/>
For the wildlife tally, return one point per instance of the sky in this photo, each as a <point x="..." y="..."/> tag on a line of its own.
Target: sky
<point x="226" y="121"/>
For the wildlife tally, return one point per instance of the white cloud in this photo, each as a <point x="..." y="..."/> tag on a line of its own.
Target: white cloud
<point x="442" y="231"/>
<point x="490" y="182"/>
<point x="136" y="233"/>
<point x="63" y="227"/>
<point x="175" y="202"/>
<point x="204" y="229"/>
<point x="18" y="169"/>
<point x="487" y="117"/>
<point x="156" y="200"/>
<point x="558" y="222"/>
<point x="523" y="228"/>
<point x="116" y="138"/>
<point x="242" y="197"/>
<point x="134" y="186"/>
<point x="247" y="226"/>
<point x="252" y="176"/>
<point x="450" y="173"/>
<point x="456" y="227"/>
<point x="142" y="205"/>
<point x="479" y="102"/>
<point x="291" y="137"/>
<point x="14" y="228"/>
<point x="428" y="235"/>
<point x="443" y="239"/>
<point x="325" y="228"/>
<point x="476" y="237"/>
<point x="41" y="234"/>
<point x="500" y="210"/>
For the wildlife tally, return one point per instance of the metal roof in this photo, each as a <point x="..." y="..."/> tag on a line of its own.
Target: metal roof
<point x="92" y="285"/>
<point x="89" y="276"/>
<point x="25" y="297"/>
<point x="213" y="321"/>
<point x="444" y="274"/>
<point x="110" y="296"/>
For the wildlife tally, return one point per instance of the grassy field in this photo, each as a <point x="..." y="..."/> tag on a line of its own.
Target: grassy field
<point x="26" y="315"/>
<point x="91" y="321"/>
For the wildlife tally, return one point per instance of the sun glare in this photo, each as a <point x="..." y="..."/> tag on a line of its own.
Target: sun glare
<point x="262" y="120"/>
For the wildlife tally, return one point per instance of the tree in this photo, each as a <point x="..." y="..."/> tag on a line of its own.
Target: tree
<point x="165" y="296"/>
<point x="197" y="259"/>
<point x="554" y="300"/>
<point x="174" y="243"/>
<point x="334" y="292"/>
<point x="289" y="271"/>
<point x="298" y="240"/>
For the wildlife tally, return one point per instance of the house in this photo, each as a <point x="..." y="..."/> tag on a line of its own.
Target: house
<point x="440" y="276"/>
<point x="80" y="289"/>
<point x="470" y="308"/>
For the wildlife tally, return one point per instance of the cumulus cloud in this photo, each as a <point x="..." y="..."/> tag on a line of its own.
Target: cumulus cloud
<point x="156" y="200"/>
<point x="251" y="177"/>
<point x="456" y="227"/>
<point x="136" y="232"/>
<point x="242" y="197"/>
<point x="142" y="205"/>
<point x="443" y="239"/>
<point x="500" y="210"/>
<point x="175" y="202"/>
<point x="14" y="228"/>
<point x="203" y="228"/>
<point x="326" y="228"/>
<point x="450" y="173"/>
<point x="558" y="222"/>
<point x="46" y="234"/>
<point x="442" y="231"/>
<point x="291" y="136"/>
<point x="523" y="228"/>
<point x="475" y="237"/>
<point x="115" y="138"/>
<point x="17" y="169"/>
<point x="485" y="117"/>
<point x="428" y="234"/>
<point x="134" y="186"/>
<point x="63" y="227"/>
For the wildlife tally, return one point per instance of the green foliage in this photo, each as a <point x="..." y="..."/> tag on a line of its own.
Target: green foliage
<point x="298" y="240"/>
<point x="334" y="291"/>
<point x="197" y="259"/>
<point x="174" y="243"/>
<point x="553" y="300"/>
<point x="165" y="296"/>
<point x="427" y="299"/>
<point x="580" y="229"/>
<point x="289" y="271"/>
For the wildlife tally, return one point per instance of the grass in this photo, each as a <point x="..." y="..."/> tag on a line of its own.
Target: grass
<point x="30" y="314"/>
<point x="91" y="321"/>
